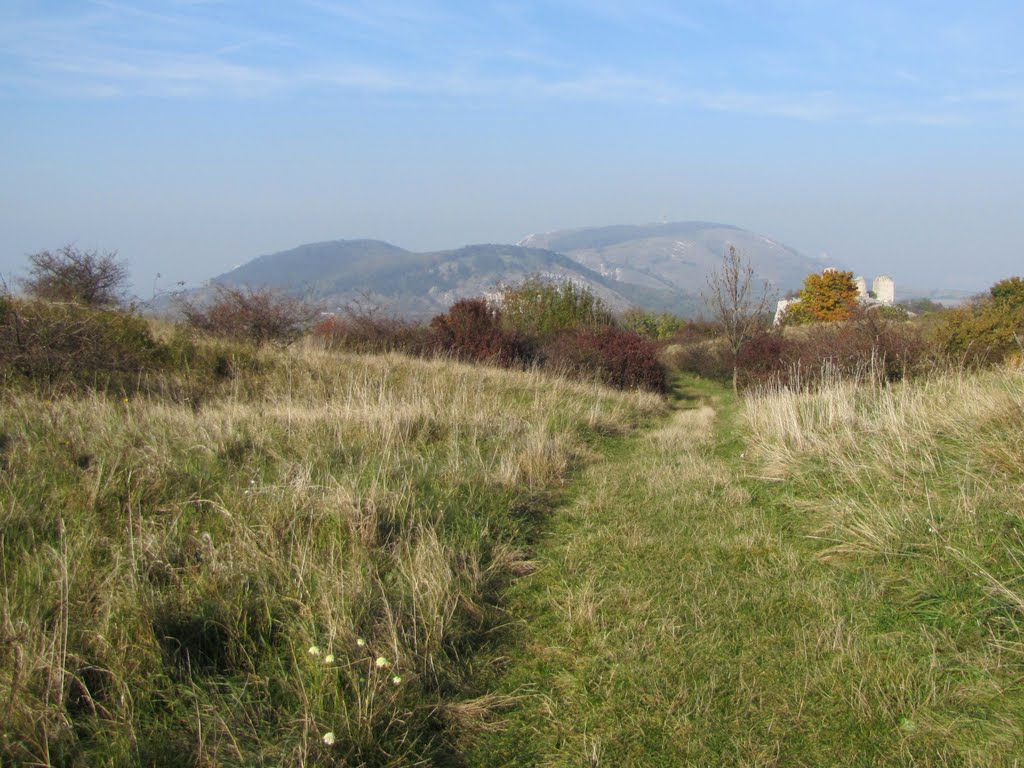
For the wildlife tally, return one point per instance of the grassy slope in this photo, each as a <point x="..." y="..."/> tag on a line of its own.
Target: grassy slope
<point x="689" y="613"/>
<point x="168" y="565"/>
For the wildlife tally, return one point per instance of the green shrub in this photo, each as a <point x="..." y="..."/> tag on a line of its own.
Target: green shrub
<point x="986" y="331"/>
<point x="653" y="325"/>
<point x="540" y="309"/>
<point x="889" y="312"/>
<point x="1008" y="294"/>
<point x="204" y="359"/>
<point x="922" y="306"/>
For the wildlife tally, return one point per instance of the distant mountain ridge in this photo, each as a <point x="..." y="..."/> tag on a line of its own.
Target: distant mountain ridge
<point x="675" y="256"/>
<point x="597" y="237"/>
<point x="658" y="266"/>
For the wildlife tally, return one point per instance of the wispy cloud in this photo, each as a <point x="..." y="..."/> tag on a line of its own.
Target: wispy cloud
<point x="142" y="14"/>
<point x="111" y="48"/>
<point x="916" y="118"/>
<point x="364" y="78"/>
<point x="640" y="12"/>
<point x="155" y="68"/>
<point x="1009" y="96"/>
<point x="382" y="14"/>
<point x="505" y="51"/>
<point x="800" y="106"/>
<point x="610" y="85"/>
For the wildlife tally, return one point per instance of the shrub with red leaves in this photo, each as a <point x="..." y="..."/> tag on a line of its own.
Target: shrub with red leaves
<point x="618" y="357"/>
<point x="763" y="358"/>
<point x="472" y="330"/>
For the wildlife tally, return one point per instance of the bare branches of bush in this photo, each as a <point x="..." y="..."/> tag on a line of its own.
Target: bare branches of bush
<point x="259" y="315"/>
<point x="84" y="277"/>
<point x="364" y="326"/>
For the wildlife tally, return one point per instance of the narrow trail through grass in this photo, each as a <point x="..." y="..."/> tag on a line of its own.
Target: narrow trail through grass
<point x="681" y="616"/>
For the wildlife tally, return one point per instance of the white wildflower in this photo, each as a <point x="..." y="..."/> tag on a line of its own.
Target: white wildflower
<point x="382" y="662"/>
<point x="329" y="738"/>
<point x="314" y="650"/>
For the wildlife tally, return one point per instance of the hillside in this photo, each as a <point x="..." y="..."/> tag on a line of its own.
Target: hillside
<point x="675" y="257"/>
<point x="659" y="266"/>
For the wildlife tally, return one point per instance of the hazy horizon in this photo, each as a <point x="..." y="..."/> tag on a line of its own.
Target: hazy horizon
<point x="194" y="135"/>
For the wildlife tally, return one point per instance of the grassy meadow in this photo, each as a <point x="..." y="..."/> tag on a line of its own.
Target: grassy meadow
<point x="253" y="556"/>
<point x="301" y="563"/>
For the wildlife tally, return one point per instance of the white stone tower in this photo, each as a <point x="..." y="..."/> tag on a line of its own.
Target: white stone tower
<point x="885" y="289"/>
<point x="862" y="288"/>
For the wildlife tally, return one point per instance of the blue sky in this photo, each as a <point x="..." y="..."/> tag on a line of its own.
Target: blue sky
<point x="193" y="135"/>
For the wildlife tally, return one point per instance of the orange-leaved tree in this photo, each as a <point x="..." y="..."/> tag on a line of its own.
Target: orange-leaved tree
<point x="825" y="298"/>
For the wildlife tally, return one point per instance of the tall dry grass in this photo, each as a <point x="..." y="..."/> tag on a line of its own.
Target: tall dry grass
<point x="300" y="567"/>
<point x="918" y="489"/>
<point x="899" y="462"/>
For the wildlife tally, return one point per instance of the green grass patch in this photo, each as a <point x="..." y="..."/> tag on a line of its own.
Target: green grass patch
<point x="724" y="593"/>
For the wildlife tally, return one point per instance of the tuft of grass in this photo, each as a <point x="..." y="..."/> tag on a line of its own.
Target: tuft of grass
<point x="310" y="548"/>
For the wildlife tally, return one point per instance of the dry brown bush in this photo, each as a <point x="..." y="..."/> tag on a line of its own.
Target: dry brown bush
<point x="363" y="326"/>
<point x="69" y="274"/>
<point x="259" y="315"/>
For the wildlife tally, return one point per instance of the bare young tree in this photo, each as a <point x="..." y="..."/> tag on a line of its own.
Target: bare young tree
<point x="85" y="277"/>
<point x="738" y="303"/>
